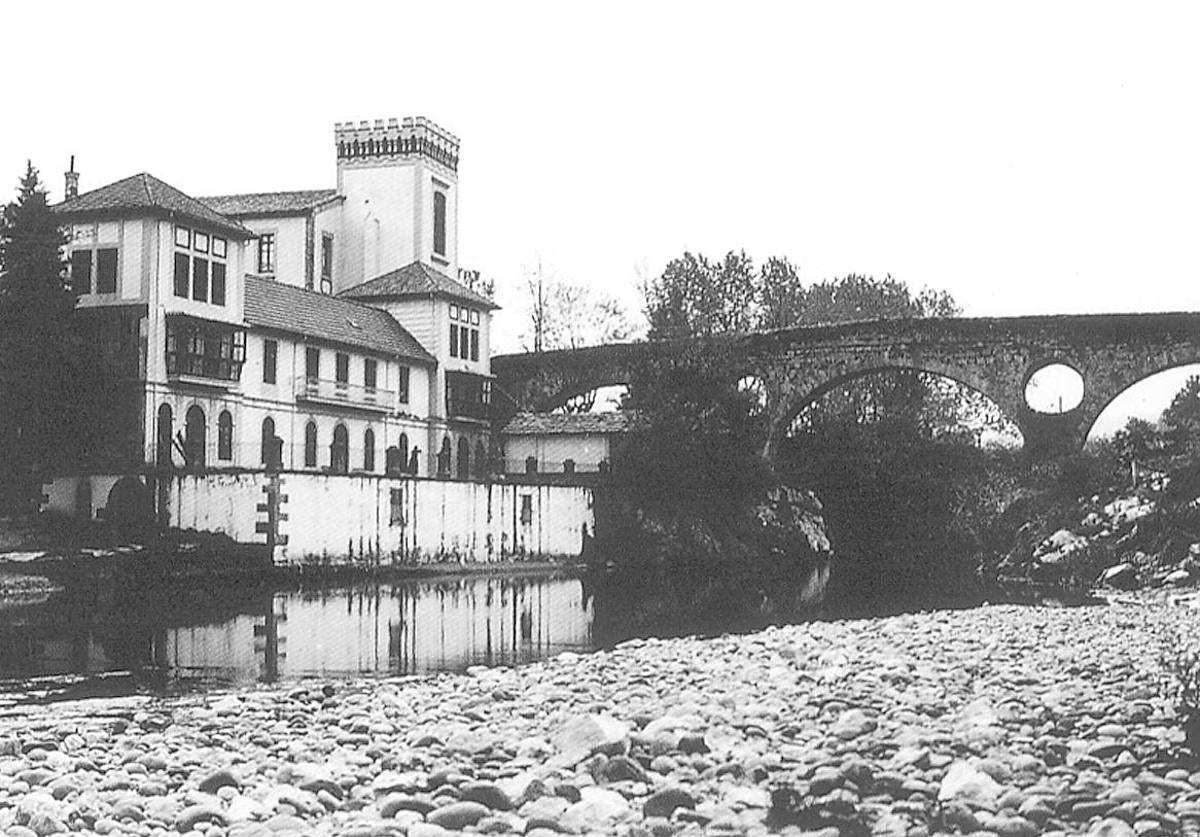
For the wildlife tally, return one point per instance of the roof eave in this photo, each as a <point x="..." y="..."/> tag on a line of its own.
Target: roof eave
<point x="233" y="230"/>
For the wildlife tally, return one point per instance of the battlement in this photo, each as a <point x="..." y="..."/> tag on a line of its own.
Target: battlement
<point x="396" y="139"/>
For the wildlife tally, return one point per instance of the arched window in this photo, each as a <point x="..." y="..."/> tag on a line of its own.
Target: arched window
<point x="443" y="458"/>
<point x="166" y="430"/>
<point x="464" y="458"/>
<point x="402" y="447"/>
<point x="310" y="445"/>
<point x="481" y="468"/>
<point x="369" y="450"/>
<point x="267" y="444"/>
<point x="225" y="436"/>
<point x="339" y="450"/>
<point x="194" y="441"/>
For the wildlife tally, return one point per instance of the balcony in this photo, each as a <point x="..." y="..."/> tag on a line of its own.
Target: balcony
<point x="344" y="394"/>
<point x="468" y="396"/>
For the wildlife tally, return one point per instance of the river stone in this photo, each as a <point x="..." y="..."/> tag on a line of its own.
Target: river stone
<point x="662" y="803"/>
<point x="1111" y="827"/>
<point x="402" y="802"/>
<point x="965" y="782"/>
<point x="457" y="815"/>
<point x="487" y="794"/>
<point x="595" y="806"/>
<point x="587" y="734"/>
<point x="218" y="779"/>
<point x="853" y="723"/>
<point x="192" y="815"/>
<point x="426" y="829"/>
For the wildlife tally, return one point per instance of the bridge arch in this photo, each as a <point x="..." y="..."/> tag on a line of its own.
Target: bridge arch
<point x="798" y="398"/>
<point x="1169" y="391"/>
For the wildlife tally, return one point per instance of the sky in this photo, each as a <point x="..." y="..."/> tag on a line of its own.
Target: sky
<point x="1029" y="158"/>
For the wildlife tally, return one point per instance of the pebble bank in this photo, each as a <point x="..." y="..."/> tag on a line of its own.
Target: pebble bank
<point x="999" y="720"/>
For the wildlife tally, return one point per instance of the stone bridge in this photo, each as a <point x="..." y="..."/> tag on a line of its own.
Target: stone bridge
<point x="995" y="356"/>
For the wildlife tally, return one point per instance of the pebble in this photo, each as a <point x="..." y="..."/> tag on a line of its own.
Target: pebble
<point x="1011" y="721"/>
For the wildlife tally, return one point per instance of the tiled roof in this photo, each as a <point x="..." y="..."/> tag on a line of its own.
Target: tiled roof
<point x="271" y="203"/>
<point x="560" y="424"/>
<point x="147" y="193"/>
<point x="282" y="307"/>
<point x="416" y="279"/>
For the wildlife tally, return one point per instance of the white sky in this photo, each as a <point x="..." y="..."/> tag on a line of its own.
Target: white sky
<point x="1026" y="157"/>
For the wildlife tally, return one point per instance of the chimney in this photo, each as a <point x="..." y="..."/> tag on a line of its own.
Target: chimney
<point x="72" y="177"/>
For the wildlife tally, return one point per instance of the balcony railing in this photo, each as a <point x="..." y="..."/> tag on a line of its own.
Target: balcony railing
<point x="342" y="393"/>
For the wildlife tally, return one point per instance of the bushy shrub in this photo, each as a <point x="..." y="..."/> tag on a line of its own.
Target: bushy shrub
<point x="1181" y="661"/>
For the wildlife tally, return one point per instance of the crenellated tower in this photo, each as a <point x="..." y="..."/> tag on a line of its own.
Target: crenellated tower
<point x="400" y="182"/>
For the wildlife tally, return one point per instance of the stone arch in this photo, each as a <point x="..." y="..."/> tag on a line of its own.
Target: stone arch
<point x="164" y="436"/>
<point x="1094" y="416"/>
<point x="129" y="508"/>
<point x="795" y="398"/>
<point x="195" y="440"/>
<point x="339" y="449"/>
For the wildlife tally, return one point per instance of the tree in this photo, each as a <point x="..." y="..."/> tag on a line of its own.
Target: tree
<point x="570" y="315"/>
<point x="35" y="308"/>
<point x="695" y="297"/>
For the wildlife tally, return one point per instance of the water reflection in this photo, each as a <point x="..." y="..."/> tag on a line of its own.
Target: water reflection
<point x="171" y="633"/>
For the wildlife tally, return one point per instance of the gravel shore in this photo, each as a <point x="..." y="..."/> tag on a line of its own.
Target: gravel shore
<point x="1004" y="720"/>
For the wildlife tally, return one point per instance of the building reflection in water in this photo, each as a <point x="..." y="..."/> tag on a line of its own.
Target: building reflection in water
<point x="412" y="628"/>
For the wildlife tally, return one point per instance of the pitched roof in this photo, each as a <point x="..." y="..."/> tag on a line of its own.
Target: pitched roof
<point x="271" y="203"/>
<point x="147" y="193"/>
<point x="416" y="279"/>
<point x="282" y="307"/>
<point x="568" y="424"/>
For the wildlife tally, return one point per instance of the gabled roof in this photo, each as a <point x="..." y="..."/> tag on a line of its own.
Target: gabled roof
<point x="568" y="424"/>
<point x="147" y="194"/>
<point x="416" y="280"/>
<point x="286" y="308"/>
<point x="271" y="203"/>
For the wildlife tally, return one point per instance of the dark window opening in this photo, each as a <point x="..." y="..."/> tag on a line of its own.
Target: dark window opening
<point x="439" y="223"/>
<point x="194" y="442"/>
<point x="270" y="356"/>
<point x="106" y="271"/>
<point x="165" y="435"/>
<point x="267" y="444"/>
<point x="402" y="385"/>
<point x="266" y="253"/>
<point x="396" y="516"/>
<point x="218" y="283"/>
<point x="206" y="350"/>
<point x="342" y="368"/>
<point x="474" y="344"/>
<point x="526" y="509"/>
<point x="183" y="272"/>
<point x="531" y="465"/>
<point x="443" y="458"/>
<point x="369" y="450"/>
<point x="339" y="450"/>
<point x="370" y="373"/>
<point x="326" y="263"/>
<point x="402" y="445"/>
<point x="481" y="468"/>
<point x="200" y="279"/>
<point x="81" y="271"/>
<point x="568" y="466"/>
<point x="312" y="363"/>
<point x="464" y="459"/>
<point x="310" y="445"/>
<point x="453" y="341"/>
<point x="225" y="436"/>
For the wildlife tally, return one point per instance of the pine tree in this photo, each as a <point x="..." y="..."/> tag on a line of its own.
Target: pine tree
<point x="35" y="309"/>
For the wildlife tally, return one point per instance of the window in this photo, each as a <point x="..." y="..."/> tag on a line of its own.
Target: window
<point x="106" y="270"/>
<point x="443" y="458"/>
<point x="165" y="436"/>
<point x="453" y="340"/>
<point x="183" y="268"/>
<point x="326" y="263"/>
<point x="402" y="449"/>
<point x="194" y="437"/>
<point x="310" y="445"/>
<point x="266" y="253"/>
<point x="474" y="344"/>
<point x="200" y="279"/>
<point x="218" y="283"/>
<point x="339" y="450"/>
<point x="526" y="509"/>
<point x="81" y="271"/>
<point x="464" y="458"/>
<point x="312" y="363"/>
<point x="439" y="223"/>
<point x="342" y="368"/>
<point x="225" y="436"/>
<point x="203" y="349"/>
<point x="370" y="373"/>
<point x="101" y="263"/>
<point x="267" y="445"/>
<point x="402" y="385"/>
<point x="531" y="464"/>
<point x="464" y="338"/>
<point x="270" y="355"/>
<point x="568" y="466"/>
<point x="480" y="459"/>
<point x="369" y="450"/>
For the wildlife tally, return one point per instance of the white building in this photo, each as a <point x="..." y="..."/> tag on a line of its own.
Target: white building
<point x="562" y="443"/>
<point x="328" y="320"/>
